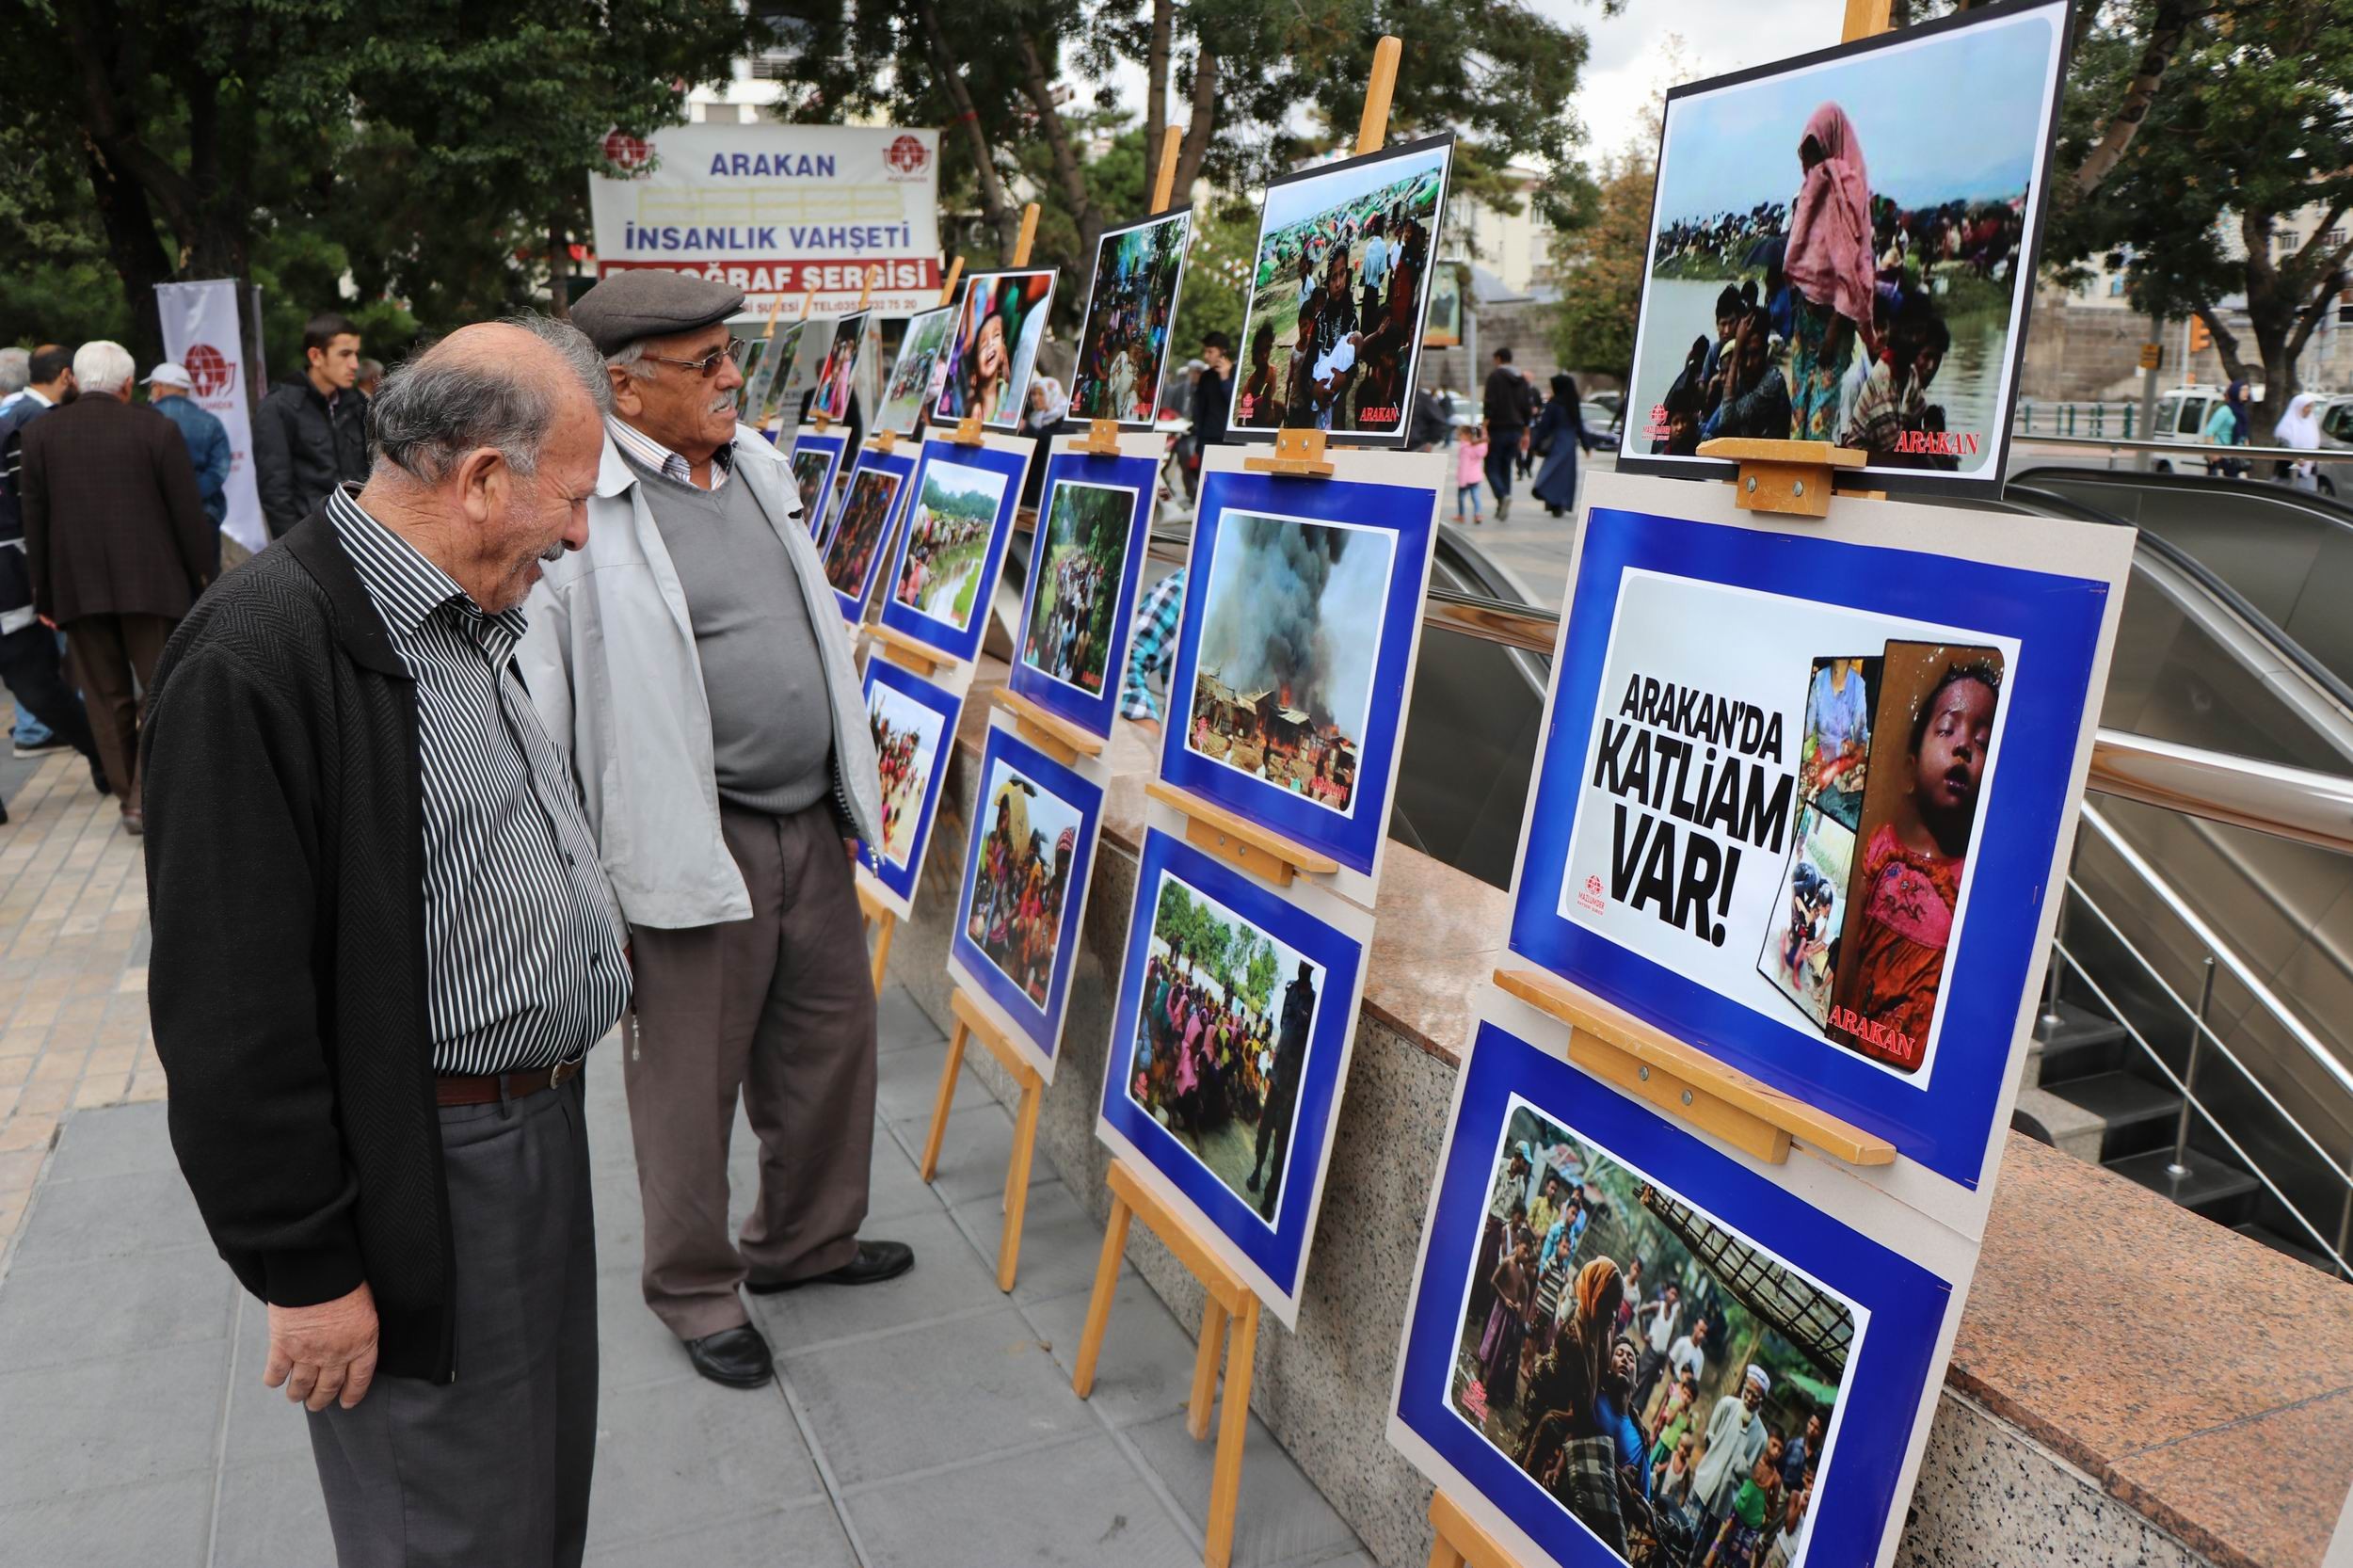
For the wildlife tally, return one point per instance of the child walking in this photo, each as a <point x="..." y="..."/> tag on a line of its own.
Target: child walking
<point x="1470" y="459"/>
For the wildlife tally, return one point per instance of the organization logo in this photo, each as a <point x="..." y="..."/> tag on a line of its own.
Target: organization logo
<point x="626" y="152"/>
<point x="1591" y="895"/>
<point x="907" y="157"/>
<point x="214" y="373"/>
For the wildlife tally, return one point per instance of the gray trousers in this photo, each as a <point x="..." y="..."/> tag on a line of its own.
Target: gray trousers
<point x="493" y="1468"/>
<point x="780" y="1009"/>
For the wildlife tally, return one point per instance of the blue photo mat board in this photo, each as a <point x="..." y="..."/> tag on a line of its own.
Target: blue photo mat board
<point x="1657" y="863"/>
<point x="854" y="558"/>
<point x="1047" y="669"/>
<point x="831" y="446"/>
<point x="988" y="945"/>
<point x="1869" y="1327"/>
<point x="1302" y="621"/>
<point x="978" y="489"/>
<point x="921" y="718"/>
<point x="1181" y="890"/>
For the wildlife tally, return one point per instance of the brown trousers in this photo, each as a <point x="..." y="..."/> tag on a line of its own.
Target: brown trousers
<point x="114" y="661"/>
<point x="779" y="1008"/>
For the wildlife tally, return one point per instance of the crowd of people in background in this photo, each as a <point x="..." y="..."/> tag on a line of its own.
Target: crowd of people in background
<point x="1017" y="898"/>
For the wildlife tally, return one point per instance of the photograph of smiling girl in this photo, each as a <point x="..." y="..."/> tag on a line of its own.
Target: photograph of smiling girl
<point x="1930" y="756"/>
<point x="994" y="348"/>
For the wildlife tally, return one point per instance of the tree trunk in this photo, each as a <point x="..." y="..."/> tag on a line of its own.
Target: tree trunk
<point x="559" y="266"/>
<point x="1200" y="126"/>
<point x="1156" y="77"/>
<point x="996" y="211"/>
<point x="2170" y="25"/>
<point x="139" y="259"/>
<point x="1072" y="178"/>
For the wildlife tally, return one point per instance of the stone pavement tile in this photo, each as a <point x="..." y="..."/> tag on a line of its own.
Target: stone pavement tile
<point x="935" y="1395"/>
<point x="1077" y="1505"/>
<point x="115" y="1306"/>
<point x="152" y="1523"/>
<point x="909" y="1085"/>
<point x="106" y="1423"/>
<point x="1060" y="1243"/>
<point x="1281" y="1518"/>
<point x="1145" y="1368"/>
<point x="111" y="1217"/>
<point x="805" y="1536"/>
<point x="271" y="1514"/>
<point x="949" y="1278"/>
<point x="632" y="1347"/>
<point x="673" y="1456"/>
<point x="895" y="1188"/>
<point x="900" y="1025"/>
<point x="974" y="1153"/>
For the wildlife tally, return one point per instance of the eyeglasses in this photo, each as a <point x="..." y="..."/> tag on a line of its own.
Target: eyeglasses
<point x="708" y="366"/>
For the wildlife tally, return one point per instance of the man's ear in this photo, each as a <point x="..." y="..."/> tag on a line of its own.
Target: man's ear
<point x="625" y="399"/>
<point x="482" y="477"/>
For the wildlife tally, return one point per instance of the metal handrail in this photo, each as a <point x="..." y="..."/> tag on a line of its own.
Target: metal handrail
<point x="2215" y="451"/>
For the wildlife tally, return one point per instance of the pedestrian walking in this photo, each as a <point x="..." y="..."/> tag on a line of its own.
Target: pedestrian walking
<point x="1559" y="436"/>
<point x="312" y="435"/>
<point x="1470" y="465"/>
<point x="1507" y="424"/>
<point x="381" y="1115"/>
<point x="692" y="663"/>
<point x="169" y="393"/>
<point x="119" y="546"/>
<point x="49" y="711"/>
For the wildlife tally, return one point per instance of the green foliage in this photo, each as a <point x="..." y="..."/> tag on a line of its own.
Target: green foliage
<point x="1601" y="271"/>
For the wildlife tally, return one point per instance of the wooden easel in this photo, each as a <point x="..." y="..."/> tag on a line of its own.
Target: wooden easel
<point x="1462" y="1544"/>
<point x="876" y="913"/>
<point x="971" y="1022"/>
<point x="1231" y="1299"/>
<point x="1102" y="437"/>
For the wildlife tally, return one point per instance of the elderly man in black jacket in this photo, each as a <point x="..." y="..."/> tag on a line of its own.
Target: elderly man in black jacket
<point x="383" y="1125"/>
<point x="312" y="435"/>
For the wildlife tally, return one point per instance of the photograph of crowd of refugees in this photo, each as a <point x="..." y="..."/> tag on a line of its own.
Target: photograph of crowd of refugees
<point x="955" y="512"/>
<point x="1835" y="251"/>
<point x="1123" y="345"/>
<point x="1222" y="1030"/>
<point x="907" y="738"/>
<point x="994" y="347"/>
<point x="1667" y="1381"/>
<point x="858" y="531"/>
<point x="1290" y="635"/>
<point x="922" y="354"/>
<point x="1022" y="878"/>
<point x="1892" y="769"/>
<point x="831" y="397"/>
<point x="773" y="386"/>
<point x="1075" y="593"/>
<point x="1335" y="321"/>
<point x="808" y="479"/>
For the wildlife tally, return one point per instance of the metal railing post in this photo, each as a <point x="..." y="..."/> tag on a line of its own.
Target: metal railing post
<point x="2051" y="1020"/>
<point x="2344" y="1225"/>
<point x="2180" y="1167"/>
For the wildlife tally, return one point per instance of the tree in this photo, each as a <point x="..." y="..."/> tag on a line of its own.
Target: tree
<point x="2254" y="129"/>
<point x="1601" y="269"/>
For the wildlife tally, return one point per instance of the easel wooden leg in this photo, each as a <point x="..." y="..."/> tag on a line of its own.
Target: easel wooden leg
<point x="1233" y="1431"/>
<point x="882" y="947"/>
<point x="948" y="1071"/>
<point x="1017" y="1185"/>
<point x="1442" y="1555"/>
<point x="1461" y="1543"/>
<point x="1214" y="1319"/>
<point x="1100" y="1304"/>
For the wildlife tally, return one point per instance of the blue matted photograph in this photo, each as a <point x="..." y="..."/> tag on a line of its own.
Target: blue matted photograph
<point x="1698" y="801"/>
<point x="1286" y="696"/>
<point x="959" y="514"/>
<point x="914" y="723"/>
<point x="869" y="508"/>
<point x="816" y="463"/>
<point x="1229" y="1045"/>
<point x="1026" y="871"/>
<point x="1085" y="562"/>
<point x="1640" y="1351"/>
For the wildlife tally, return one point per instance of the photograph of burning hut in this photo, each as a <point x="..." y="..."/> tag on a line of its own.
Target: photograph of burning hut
<point x="1290" y="635"/>
<point x="1667" y="1382"/>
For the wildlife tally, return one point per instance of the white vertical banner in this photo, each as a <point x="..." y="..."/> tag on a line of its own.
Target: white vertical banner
<point x="200" y="331"/>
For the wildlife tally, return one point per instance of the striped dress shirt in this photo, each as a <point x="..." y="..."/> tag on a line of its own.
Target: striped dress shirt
<point x="524" y="964"/>
<point x="663" y="461"/>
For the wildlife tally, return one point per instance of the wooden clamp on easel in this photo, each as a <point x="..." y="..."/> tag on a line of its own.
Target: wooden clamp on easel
<point x="1052" y="734"/>
<point x="968" y="430"/>
<point x="1102" y="437"/>
<point x="971" y="1022"/>
<point x="912" y="654"/>
<point x="1238" y="841"/>
<point x="1230" y="1300"/>
<point x="1787" y="478"/>
<point x="1462" y="1544"/>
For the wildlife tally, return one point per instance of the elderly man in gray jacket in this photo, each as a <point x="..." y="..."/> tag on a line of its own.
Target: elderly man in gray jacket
<point x="693" y="660"/>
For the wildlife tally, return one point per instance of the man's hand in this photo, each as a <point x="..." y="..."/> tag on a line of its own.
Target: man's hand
<point x="326" y="1353"/>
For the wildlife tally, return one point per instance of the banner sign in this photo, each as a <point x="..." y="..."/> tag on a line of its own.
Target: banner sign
<point x="778" y="209"/>
<point x="200" y="331"/>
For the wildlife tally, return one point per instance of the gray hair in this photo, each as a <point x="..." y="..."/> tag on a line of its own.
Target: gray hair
<point x="16" y="370"/>
<point x="631" y="359"/>
<point x="101" y="367"/>
<point x="434" y="408"/>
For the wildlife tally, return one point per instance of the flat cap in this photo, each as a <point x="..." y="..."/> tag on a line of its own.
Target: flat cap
<point x="648" y="302"/>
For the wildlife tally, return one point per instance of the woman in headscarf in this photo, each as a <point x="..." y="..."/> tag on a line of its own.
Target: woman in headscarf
<point x="1559" y="434"/>
<point x="1830" y="264"/>
<point x="2300" y="427"/>
<point x="1565" y="1446"/>
<point x="2231" y="424"/>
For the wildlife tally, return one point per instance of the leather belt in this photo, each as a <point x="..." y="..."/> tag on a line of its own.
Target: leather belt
<point x="488" y="1089"/>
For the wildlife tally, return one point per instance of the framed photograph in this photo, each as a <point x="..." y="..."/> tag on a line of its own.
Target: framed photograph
<point x="837" y="365"/>
<point x="1823" y="267"/>
<point x="993" y="350"/>
<point x="960" y="515"/>
<point x="1819" y="842"/>
<point x="1086" y="561"/>
<point x="1230" y="1041"/>
<point x="859" y="542"/>
<point x="1131" y="304"/>
<point x="1625" y="1348"/>
<point x="1026" y="871"/>
<point x="914" y="378"/>
<point x="816" y="477"/>
<point x="1302" y="614"/>
<point x="914" y="724"/>
<point x="1339" y="295"/>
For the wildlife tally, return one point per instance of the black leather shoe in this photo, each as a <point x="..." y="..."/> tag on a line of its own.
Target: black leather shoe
<point x="737" y="1357"/>
<point x="876" y="1261"/>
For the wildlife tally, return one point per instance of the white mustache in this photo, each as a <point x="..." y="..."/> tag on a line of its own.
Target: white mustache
<point x="553" y="552"/>
<point x="726" y="401"/>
